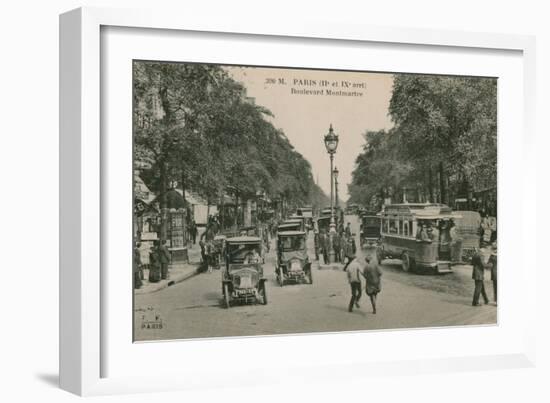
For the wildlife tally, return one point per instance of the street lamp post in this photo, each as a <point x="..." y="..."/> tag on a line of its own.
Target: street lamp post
<point x="331" y="144"/>
<point x="335" y="173"/>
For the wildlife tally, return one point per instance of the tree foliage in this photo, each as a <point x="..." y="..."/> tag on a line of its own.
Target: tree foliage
<point x="444" y="136"/>
<point x="194" y="124"/>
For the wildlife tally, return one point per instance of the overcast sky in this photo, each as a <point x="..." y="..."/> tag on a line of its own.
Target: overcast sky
<point x="305" y="119"/>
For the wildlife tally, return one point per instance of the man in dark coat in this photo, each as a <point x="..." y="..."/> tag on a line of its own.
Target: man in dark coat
<point x="193" y="231"/>
<point x="154" y="263"/>
<point x="350" y="249"/>
<point x="493" y="263"/>
<point x="478" y="275"/>
<point x="137" y="266"/>
<point x="164" y="257"/>
<point x="324" y="243"/>
<point x="337" y="240"/>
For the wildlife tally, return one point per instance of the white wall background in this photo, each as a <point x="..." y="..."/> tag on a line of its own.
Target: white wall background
<point x="29" y="197"/>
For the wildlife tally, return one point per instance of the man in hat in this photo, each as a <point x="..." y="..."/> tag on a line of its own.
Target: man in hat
<point x="478" y="275"/>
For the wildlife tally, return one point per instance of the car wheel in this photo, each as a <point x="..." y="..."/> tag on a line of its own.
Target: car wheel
<point x="226" y="296"/>
<point x="405" y="262"/>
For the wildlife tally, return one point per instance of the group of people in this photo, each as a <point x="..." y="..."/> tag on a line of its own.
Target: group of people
<point x="343" y="244"/>
<point x="372" y="274"/>
<point x="159" y="258"/>
<point x="429" y="232"/>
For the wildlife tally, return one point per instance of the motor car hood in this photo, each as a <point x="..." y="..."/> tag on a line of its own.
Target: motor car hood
<point x="296" y="254"/>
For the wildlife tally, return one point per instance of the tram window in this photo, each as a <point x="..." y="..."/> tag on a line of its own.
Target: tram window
<point x="401" y="226"/>
<point x="393" y="227"/>
<point x="406" y="228"/>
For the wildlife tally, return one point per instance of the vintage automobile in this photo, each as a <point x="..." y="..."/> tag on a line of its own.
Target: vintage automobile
<point x="419" y="235"/>
<point x="293" y="263"/>
<point x="297" y="218"/>
<point x="289" y="225"/>
<point x="307" y="213"/>
<point x="369" y="229"/>
<point x="243" y="278"/>
<point x="250" y="230"/>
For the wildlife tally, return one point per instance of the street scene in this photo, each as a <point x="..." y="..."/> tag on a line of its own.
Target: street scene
<point x="273" y="201"/>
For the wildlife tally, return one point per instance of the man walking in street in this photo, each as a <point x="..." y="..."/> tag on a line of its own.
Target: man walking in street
<point x="372" y="275"/>
<point x="354" y="278"/>
<point x="478" y="275"/>
<point x="164" y="256"/>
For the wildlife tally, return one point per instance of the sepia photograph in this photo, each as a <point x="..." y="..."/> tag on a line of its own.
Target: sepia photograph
<point x="278" y="200"/>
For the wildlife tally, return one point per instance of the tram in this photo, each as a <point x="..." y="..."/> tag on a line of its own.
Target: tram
<point x="420" y="235"/>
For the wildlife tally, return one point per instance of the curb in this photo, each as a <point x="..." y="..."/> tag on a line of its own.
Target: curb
<point x="167" y="284"/>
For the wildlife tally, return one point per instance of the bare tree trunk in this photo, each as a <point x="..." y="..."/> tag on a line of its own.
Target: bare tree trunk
<point x="443" y="184"/>
<point x="431" y="185"/>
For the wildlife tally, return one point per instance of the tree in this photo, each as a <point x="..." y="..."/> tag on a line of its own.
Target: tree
<point x="194" y="124"/>
<point x="444" y="134"/>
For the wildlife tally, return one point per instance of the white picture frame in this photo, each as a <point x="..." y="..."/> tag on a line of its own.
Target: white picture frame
<point x="85" y="344"/>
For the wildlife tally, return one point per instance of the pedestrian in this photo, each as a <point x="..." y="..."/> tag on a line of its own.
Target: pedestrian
<point x="137" y="266"/>
<point x="348" y="230"/>
<point x="350" y="249"/>
<point x="478" y="275"/>
<point x="154" y="263"/>
<point x="337" y="248"/>
<point x="193" y="231"/>
<point x="341" y="229"/>
<point x="493" y="263"/>
<point x="164" y="257"/>
<point x="372" y="275"/>
<point x="354" y="273"/>
<point x="202" y="245"/>
<point x="324" y="242"/>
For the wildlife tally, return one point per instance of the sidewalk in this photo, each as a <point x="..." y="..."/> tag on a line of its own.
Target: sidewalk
<point x="176" y="272"/>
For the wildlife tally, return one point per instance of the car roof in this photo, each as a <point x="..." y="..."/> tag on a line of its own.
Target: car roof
<point x="289" y="225"/>
<point x="291" y="233"/>
<point x="244" y="239"/>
